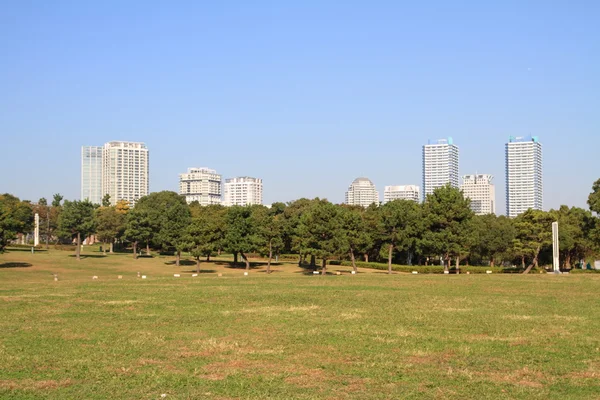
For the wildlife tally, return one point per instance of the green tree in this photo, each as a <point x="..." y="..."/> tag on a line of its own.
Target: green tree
<point x="319" y="231"/>
<point x="16" y="217"/>
<point x="269" y="229"/>
<point x="106" y="200"/>
<point x="240" y="233"/>
<point x="533" y="233"/>
<point x="206" y="232"/>
<point x="291" y="223"/>
<point x="399" y="227"/>
<point x="594" y="198"/>
<point x="354" y="237"/>
<point x="77" y="220"/>
<point x="139" y="229"/>
<point x="495" y="236"/>
<point x="109" y="223"/>
<point x="574" y="226"/>
<point x="447" y="222"/>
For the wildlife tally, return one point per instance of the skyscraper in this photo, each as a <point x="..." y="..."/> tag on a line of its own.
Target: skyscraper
<point x="91" y="174"/>
<point x="202" y="185"/>
<point x="362" y="192"/>
<point x="406" y="192"/>
<point x="125" y="171"/>
<point x="482" y="192"/>
<point x="243" y="191"/>
<point x="440" y="165"/>
<point x="523" y="175"/>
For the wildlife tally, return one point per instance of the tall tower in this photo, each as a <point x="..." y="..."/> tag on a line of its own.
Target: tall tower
<point x="202" y="185"/>
<point x="482" y="192"/>
<point x="125" y="167"/>
<point x="524" y="188"/>
<point x="362" y="192"/>
<point x="243" y="191"/>
<point x="440" y="165"/>
<point x="91" y="174"/>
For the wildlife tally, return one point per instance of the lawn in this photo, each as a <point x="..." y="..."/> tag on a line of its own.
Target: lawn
<point x="290" y="335"/>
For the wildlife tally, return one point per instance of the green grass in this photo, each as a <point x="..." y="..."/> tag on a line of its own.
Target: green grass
<point x="290" y="334"/>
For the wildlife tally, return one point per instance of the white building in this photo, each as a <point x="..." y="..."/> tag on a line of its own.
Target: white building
<point x="91" y="174"/>
<point x="440" y="165"/>
<point x="243" y="191"/>
<point x="202" y="185"/>
<point x="362" y="192"/>
<point x="523" y="175"/>
<point x="482" y="192"/>
<point x="405" y="192"/>
<point x="125" y="168"/>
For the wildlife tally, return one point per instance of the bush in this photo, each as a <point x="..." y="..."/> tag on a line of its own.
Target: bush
<point x="584" y="271"/>
<point x="429" y="269"/>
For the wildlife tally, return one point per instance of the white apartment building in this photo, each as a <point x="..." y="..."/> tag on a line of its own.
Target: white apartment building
<point x="362" y="192"/>
<point x="91" y="174"/>
<point x="440" y="165"/>
<point x="523" y="175"/>
<point x="404" y="192"/>
<point x="202" y="185"/>
<point x="482" y="192"/>
<point x="125" y="167"/>
<point x="242" y="191"/>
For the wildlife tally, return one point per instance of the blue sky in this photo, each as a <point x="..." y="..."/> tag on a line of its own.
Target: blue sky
<point x="307" y="95"/>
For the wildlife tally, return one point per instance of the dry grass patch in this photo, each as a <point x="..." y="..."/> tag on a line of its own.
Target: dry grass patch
<point x="30" y="384"/>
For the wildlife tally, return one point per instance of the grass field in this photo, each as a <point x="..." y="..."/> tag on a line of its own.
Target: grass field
<point x="290" y="335"/>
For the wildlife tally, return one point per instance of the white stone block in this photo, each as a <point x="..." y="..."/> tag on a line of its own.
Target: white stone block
<point x="488" y="272"/>
<point x="176" y="275"/>
<point x="353" y="272"/>
<point x="143" y="276"/>
<point x="94" y="277"/>
<point x="446" y="272"/>
<point x="194" y="275"/>
<point x="120" y="277"/>
<point x="415" y="272"/>
<point x="315" y="272"/>
<point x="245" y="274"/>
<point x="219" y="274"/>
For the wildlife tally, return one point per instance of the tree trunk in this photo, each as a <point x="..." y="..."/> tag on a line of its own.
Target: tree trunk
<point x="426" y="261"/>
<point x="177" y="258"/>
<point x="366" y="257"/>
<point x="48" y="230"/>
<point x="313" y="261"/>
<point x="353" y="260"/>
<point x="198" y="264"/>
<point x="299" y="259"/>
<point x="492" y="262"/>
<point x="111" y="247"/>
<point x="135" y="255"/>
<point x="447" y="264"/>
<point x="270" y="256"/>
<point x="390" y="250"/>
<point x="324" y="266"/>
<point x="522" y="262"/>
<point x="245" y="258"/>
<point x="219" y="252"/>
<point x="104" y="248"/>
<point x="208" y="257"/>
<point x="147" y="248"/>
<point x="568" y="261"/>
<point x="235" y="259"/>
<point x="78" y="249"/>
<point x="534" y="262"/>
<point x="457" y="264"/>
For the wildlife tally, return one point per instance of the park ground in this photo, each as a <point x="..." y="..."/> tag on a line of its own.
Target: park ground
<point x="289" y="335"/>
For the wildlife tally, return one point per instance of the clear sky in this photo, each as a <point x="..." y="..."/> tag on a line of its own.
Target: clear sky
<point x="307" y="95"/>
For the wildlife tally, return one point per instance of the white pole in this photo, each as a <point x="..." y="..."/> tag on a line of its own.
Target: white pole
<point x="36" y="235"/>
<point x="555" y="248"/>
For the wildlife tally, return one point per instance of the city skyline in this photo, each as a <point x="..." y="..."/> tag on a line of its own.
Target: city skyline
<point x="307" y="111"/>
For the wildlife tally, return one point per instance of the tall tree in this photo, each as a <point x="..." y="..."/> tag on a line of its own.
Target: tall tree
<point x="106" y="200"/>
<point x="16" y="217"/>
<point x="291" y="223"/>
<point x="399" y="227"/>
<point x="574" y="226"/>
<point x="206" y="232"/>
<point x="495" y="236"/>
<point x="533" y="233"/>
<point x="354" y="237"/>
<point x="139" y="228"/>
<point x="240" y="232"/>
<point x="447" y="216"/>
<point x="594" y="198"/>
<point x="109" y="224"/>
<point x="77" y="220"/>
<point x="269" y="229"/>
<point x="319" y="231"/>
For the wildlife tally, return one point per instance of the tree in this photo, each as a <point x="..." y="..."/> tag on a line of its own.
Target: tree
<point x="574" y="227"/>
<point x="269" y="228"/>
<point x="291" y="222"/>
<point x="533" y="233"/>
<point x="240" y="232"/>
<point x="354" y="237"/>
<point x="16" y="216"/>
<point x="122" y="207"/>
<point x="206" y="232"/>
<point x="495" y="236"/>
<point x="43" y="210"/>
<point x="138" y="228"/>
<point x="109" y="223"/>
<point x="319" y="231"/>
<point x="399" y="226"/>
<point x="106" y="200"/>
<point x="594" y="198"/>
<point x="77" y="220"/>
<point x="447" y="216"/>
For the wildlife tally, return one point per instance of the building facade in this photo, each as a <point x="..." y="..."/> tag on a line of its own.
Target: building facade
<point x="524" y="188"/>
<point x="362" y="192"/>
<point x="482" y="192"/>
<point x="91" y="173"/>
<point x="202" y="185"/>
<point x="405" y="192"/>
<point x="125" y="171"/>
<point x="242" y="191"/>
<point x="440" y="165"/>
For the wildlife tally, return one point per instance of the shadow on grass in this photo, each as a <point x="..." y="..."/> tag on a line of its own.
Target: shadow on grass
<point x="181" y="262"/>
<point x="90" y="255"/>
<point x="28" y="249"/>
<point x="202" y="271"/>
<point x="15" y="265"/>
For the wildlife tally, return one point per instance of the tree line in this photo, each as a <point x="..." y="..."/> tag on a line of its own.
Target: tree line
<point x="442" y="229"/>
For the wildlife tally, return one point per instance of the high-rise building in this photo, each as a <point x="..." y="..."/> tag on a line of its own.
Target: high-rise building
<point x="125" y="171"/>
<point x="523" y="175"/>
<point x="242" y="191"/>
<point x="482" y="192"/>
<point x="362" y="192"/>
<point x="405" y="192"/>
<point x="440" y="165"/>
<point x="202" y="185"/>
<point x="91" y="174"/>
